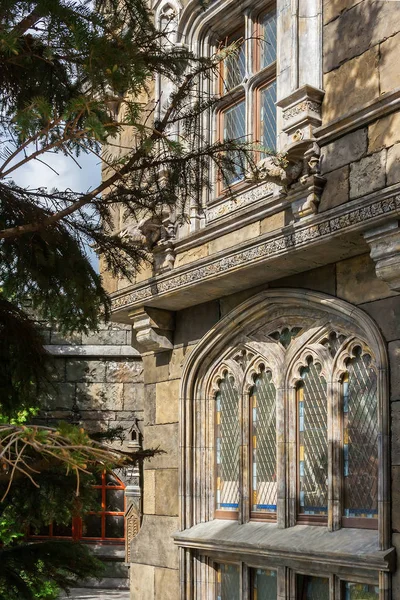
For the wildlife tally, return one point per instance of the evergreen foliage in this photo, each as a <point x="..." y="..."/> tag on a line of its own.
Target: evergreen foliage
<point x="75" y="75"/>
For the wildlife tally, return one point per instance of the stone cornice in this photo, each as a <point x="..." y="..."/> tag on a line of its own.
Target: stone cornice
<point x="382" y="106"/>
<point x="358" y="215"/>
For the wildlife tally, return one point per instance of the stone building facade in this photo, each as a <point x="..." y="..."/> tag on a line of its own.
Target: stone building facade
<point x="270" y="334"/>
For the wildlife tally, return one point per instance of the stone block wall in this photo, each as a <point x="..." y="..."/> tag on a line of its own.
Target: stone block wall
<point x="100" y="374"/>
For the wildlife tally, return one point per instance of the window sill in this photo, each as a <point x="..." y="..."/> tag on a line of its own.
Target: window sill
<point x="355" y="547"/>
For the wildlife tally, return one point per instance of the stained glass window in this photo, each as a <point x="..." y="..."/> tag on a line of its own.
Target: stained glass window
<point x="228" y="582"/>
<point x="264" y="585"/>
<point x="268" y="39"/>
<point x="268" y="117"/>
<point x="227" y="446"/>
<point x="263" y="400"/>
<point x="360" y="591"/>
<point x="312" y="442"/>
<point x="235" y="129"/>
<point x="312" y="588"/>
<point x="360" y="439"/>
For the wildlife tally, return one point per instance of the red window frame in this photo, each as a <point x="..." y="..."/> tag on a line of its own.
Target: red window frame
<point x="77" y="524"/>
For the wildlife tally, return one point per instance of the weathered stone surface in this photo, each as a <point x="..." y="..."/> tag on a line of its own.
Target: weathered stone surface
<point x="63" y="394"/>
<point x="333" y="8"/>
<point x="336" y="190"/>
<point x="113" y="335"/>
<point x="142" y="582"/>
<point x="101" y="396"/>
<point x="368" y="174"/>
<point x="231" y="239"/>
<point x="342" y="98"/>
<point x="124" y="371"/>
<point x="166" y="584"/>
<point x="192" y="323"/>
<point x="146" y="270"/>
<point x="394" y="358"/>
<point x="387" y="315"/>
<point x="343" y="151"/>
<point x="178" y="357"/>
<point x="57" y="338"/>
<point x="322" y="279"/>
<point x="384" y="132"/>
<point x="149" y="492"/>
<point x="164" y="437"/>
<point x="396" y="499"/>
<point x="396" y="574"/>
<point x="150" y="404"/>
<point x="276" y="221"/>
<point x="395" y="430"/>
<point x="389" y="65"/>
<point x="357" y="281"/>
<point x="393" y="164"/>
<point x="85" y="370"/>
<point x="57" y="369"/>
<point x="154" y="545"/>
<point x="358" y="29"/>
<point x="191" y="255"/>
<point x="156" y="367"/>
<point x="228" y="303"/>
<point x="167" y="492"/>
<point x="167" y="401"/>
<point x="133" y="396"/>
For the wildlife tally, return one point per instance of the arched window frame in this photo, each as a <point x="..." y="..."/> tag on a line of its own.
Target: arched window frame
<point x="267" y="309"/>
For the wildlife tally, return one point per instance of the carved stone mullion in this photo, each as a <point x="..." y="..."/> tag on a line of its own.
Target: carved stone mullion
<point x="335" y="511"/>
<point x="384" y="471"/>
<point x="291" y="456"/>
<point x="245" y="458"/>
<point x="281" y="458"/>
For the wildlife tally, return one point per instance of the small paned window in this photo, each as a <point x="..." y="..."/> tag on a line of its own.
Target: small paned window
<point x="268" y="41"/>
<point x="107" y="523"/>
<point x="263" y="585"/>
<point x="312" y="588"/>
<point x="312" y="442"/>
<point x="228" y="582"/>
<point x="247" y="87"/>
<point x="360" y="439"/>
<point x="360" y="591"/>
<point x="263" y="438"/>
<point x="227" y="444"/>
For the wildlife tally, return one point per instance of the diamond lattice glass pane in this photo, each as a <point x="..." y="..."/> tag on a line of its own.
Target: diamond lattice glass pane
<point x="228" y="582"/>
<point x="227" y="446"/>
<point x="360" y="445"/>
<point x="234" y="66"/>
<point x="268" y="117"/>
<point x="312" y="588"/>
<point x="313" y="444"/>
<point x="268" y="39"/>
<point x="264" y="585"/>
<point x="264" y="444"/>
<point x="235" y="129"/>
<point x="360" y="591"/>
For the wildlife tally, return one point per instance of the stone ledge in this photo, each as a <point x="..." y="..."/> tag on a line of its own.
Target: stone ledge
<point x="342" y="548"/>
<point x="310" y="243"/>
<point x="382" y="106"/>
<point x="91" y="350"/>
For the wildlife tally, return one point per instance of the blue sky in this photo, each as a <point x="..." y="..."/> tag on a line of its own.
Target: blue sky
<point x="35" y="174"/>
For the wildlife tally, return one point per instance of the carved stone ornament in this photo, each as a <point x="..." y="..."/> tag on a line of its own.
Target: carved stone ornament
<point x="154" y="329"/>
<point x="132" y="526"/>
<point x="297" y="171"/>
<point x="384" y="242"/>
<point x="301" y="112"/>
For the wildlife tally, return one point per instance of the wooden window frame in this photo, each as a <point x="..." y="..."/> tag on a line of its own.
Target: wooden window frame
<point x="77" y="523"/>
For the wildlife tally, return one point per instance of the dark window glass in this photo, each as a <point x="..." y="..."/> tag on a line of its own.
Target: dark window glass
<point x="360" y="591"/>
<point x="227" y="446"/>
<point x="92" y="526"/>
<point x="228" y="582"/>
<point x="115" y="500"/>
<point x="114" y="526"/>
<point x="268" y="39"/>
<point x="264" y="585"/>
<point x="312" y="588"/>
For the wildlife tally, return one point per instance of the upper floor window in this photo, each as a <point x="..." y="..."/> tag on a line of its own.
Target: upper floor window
<point x="329" y="393"/>
<point x="247" y="86"/>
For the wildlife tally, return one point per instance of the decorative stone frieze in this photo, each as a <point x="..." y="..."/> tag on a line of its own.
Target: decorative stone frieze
<point x="384" y="242"/>
<point x="153" y="328"/>
<point x="301" y="112"/>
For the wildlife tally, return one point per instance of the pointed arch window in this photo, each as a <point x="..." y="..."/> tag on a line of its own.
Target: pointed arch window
<point x="360" y="440"/>
<point x="312" y="447"/>
<point x="227" y="440"/>
<point x="263" y="443"/>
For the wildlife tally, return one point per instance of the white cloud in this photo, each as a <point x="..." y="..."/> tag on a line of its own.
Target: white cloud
<point x="80" y="178"/>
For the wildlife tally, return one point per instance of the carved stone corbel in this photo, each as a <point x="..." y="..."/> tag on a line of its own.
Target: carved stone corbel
<point x="154" y="328"/>
<point x="384" y="242"/>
